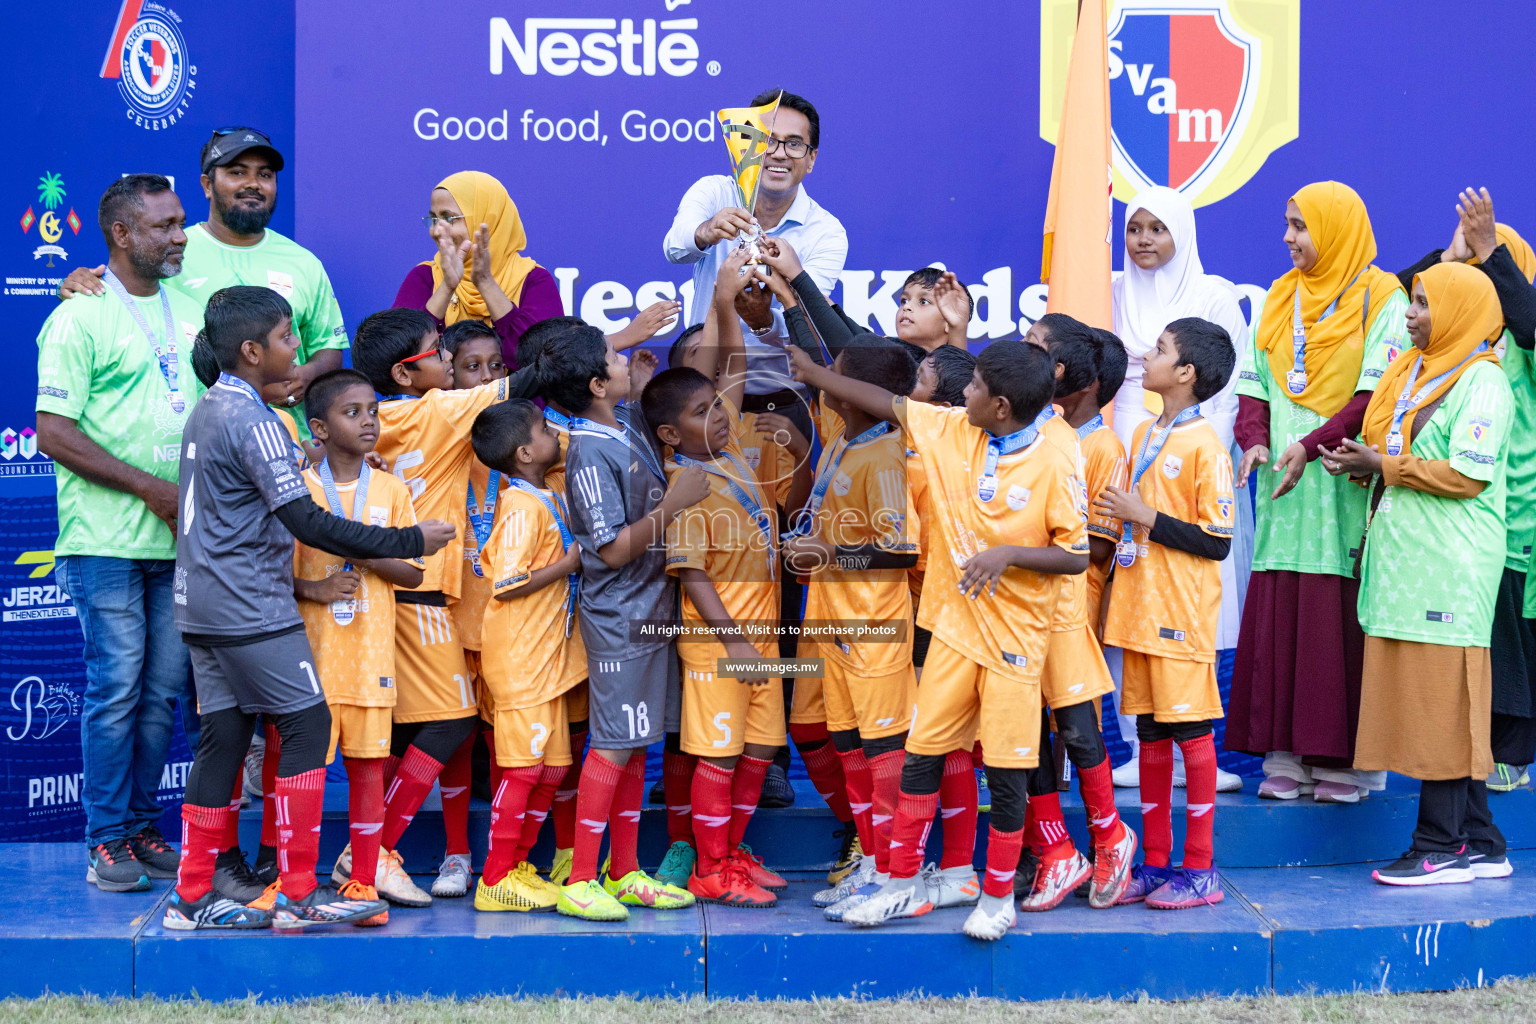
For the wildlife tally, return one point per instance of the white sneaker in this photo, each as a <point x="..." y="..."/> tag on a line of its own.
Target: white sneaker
<point x="951" y="887"/>
<point x="253" y="760"/>
<point x="1226" y="782"/>
<point x="991" y="919"/>
<point x="453" y="876"/>
<point x="1128" y="775"/>
<point x="862" y="874"/>
<point x="342" y="872"/>
<point x="901" y="897"/>
<point x="395" y="885"/>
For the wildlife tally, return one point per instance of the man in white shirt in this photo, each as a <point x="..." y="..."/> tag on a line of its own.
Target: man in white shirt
<point x="709" y="224"/>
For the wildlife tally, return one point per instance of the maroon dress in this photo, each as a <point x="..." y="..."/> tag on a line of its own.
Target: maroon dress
<point x="540" y="301"/>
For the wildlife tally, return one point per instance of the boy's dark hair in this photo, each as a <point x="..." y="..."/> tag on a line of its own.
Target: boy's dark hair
<point x="567" y="361"/>
<point x="384" y="339"/>
<point x="664" y="397"/>
<point x="1112" y="362"/>
<point x="1022" y="373"/>
<point x="888" y="366"/>
<point x="955" y="367"/>
<point x="534" y="338"/>
<point x="501" y="429"/>
<point x="929" y="276"/>
<point x="675" y="353"/>
<point x="457" y="334"/>
<point x="204" y="363"/>
<point x="238" y="314"/>
<point x="1208" y="348"/>
<point x="324" y="390"/>
<point x="125" y="197"/>
<point x="1076" y="348"/>
<point x="794" y="102"/>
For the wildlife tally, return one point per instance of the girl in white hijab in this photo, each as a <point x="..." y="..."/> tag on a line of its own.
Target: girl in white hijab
<point x="1164" y="280"/>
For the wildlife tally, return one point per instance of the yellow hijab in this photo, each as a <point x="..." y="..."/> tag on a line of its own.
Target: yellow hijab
<point x="1341" y="231"/>
<point x="1464" y="312"/>
<point x="484" y="200"/>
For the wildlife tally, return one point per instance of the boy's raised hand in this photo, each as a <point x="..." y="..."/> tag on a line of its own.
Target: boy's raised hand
<point x="642" y="367"/>
<point x="655" y="318"/>
<point x="781" y="257"/>
<point x="801" y="366"/>
<point x="729" y="281"/>
<point x="435" y="535"/>
<point x="953" y="301"/>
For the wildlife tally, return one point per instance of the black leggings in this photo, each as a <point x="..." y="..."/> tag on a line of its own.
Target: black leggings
<point x="438" y="740"/>
<point x="849" y="740"/>
<point x="1150" y="730"/>
<point x="922" y="773"/>
<point x="226" y="736"/>
<point x="1077" y="728"/>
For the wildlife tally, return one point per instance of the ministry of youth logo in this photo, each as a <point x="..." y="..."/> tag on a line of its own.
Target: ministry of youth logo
<point x="148" y="57"/>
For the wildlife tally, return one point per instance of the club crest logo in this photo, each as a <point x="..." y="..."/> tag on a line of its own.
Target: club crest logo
<point x="148" y="57"/>
<point x="1201" y="91"/>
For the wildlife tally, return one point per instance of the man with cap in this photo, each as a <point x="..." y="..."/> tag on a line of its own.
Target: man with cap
<point x="235" y="246"/>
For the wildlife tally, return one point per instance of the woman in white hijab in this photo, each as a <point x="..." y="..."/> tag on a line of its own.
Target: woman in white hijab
<point x="1164" y="280"/>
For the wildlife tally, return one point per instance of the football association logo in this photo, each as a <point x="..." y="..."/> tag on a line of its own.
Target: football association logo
<point x="148" y="57"/>
<point x="1201" y="91"/>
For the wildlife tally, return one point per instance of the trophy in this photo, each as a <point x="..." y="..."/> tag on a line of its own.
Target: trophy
<point x="746" y="131"/>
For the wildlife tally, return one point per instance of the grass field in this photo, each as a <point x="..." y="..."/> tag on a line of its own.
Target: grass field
<point x="1508" y="1001"/>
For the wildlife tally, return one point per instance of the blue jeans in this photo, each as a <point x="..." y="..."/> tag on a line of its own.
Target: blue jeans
<point x="136" y="671"/>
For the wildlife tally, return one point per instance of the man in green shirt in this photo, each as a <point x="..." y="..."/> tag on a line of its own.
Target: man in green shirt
<point x="114" y="386"/>
<point x="235" y="246"/>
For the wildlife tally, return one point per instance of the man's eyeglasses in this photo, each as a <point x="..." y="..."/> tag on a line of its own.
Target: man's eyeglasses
<point x="430" y="353"/>
<point x="793" y="148"/>
<point x="448" y="220"/>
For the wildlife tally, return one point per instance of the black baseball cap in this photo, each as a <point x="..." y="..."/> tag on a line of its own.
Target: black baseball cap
<point x="228" y="143"/>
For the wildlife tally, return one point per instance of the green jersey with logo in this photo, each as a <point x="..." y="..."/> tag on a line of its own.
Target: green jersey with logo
<point x="1432" y="564"/>
<point x="275" y="262"/>
<point x="1316" y="527"/>
<point x="1520" y="477"/>
<point x="95" y="366"/>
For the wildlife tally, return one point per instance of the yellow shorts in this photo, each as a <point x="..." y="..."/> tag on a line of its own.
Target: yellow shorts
<point x="576" y="702"/>
<point x="537" y="735"/>
<point x="961" y="701"/>
<point x="877" y="706"/>
<point x="721" y="716"/>
<point x="1169" y="690"/>
<point x="807" y="706"/>
<point x="359" y="732"/>
<point x="483" y="702"/>
<point x="1074" y="670"/>
<point x="432" y="680"/>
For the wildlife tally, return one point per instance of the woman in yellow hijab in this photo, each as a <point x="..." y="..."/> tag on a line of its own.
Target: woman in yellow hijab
<point x="1324" y="335"/>
<point x="1433" y="450"/>
<point x="480" y="272"/>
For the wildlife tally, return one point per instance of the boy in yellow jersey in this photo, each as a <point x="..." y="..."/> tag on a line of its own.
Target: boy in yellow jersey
<point x="349" y="610"/>
<point x="1177" y="517"/>
<point x="533" y="655"/>
<point x="424" y="438"/>
<point x="1008" y="522"/>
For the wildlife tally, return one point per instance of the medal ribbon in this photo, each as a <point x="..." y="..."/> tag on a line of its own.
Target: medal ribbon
<point x="556" y="507"/>
<point x="1299" y="331"/>
<point x="807" y="516"/>
<point x="997" y="447"/>
<point x="165" y="357"/>
<point x="1410" y="398"/>
<point x="1144" y="459"/>
<point x="333" y="497"/>
<point x="749" y="504"/>
<point x="641" y="451"/>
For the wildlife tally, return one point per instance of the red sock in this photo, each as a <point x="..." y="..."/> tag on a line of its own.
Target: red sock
<point x="711" y="801"/>
<point x="624" y="818"/>
<point x="507" y="812"/>
<point x="823" y="766"/>
<point x="202" y="829"/>
<point x="1200" y="800"/>
<point x="677" y="777"/>
<point x="886" y="769"/>
<point x="564" y="807"/>
<point x="957" y="809"/>
<point x="1098" y="790"/>
<point x="746" y="788"/>
<point x="538" y="809"/>
<point x="1050" y="828"/>
<point x="403" y="799"/>
<point x="232" y="823"/>
<point x="860" y="783"/>
<point x="496" y="771"/>
<point x="1003" y="849"/>
<point x="454" y="787"/>
<point x="1156" y="761"/>
<point x="300" y="799"/>
<point x="274" y="750"/>
<point x="977" y="761"/>
<point x="909" y="832"/>
<point x="365" y="814"/>
<point x="594" y="804"/>
<point x="391" y="769"/>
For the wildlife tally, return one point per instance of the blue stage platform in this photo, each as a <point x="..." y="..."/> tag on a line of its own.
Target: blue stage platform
<point x="1318" y="924"/>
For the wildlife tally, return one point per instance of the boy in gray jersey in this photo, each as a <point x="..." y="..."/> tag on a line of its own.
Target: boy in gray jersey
<point x="242" y="504"/>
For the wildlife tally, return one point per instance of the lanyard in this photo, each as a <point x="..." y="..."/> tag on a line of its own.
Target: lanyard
<point x="1410" y="398"/>
<point x="1125" y="551"/>
<point x="481" y="521"/>
<point x="807" y="516"/>
<point x="643" y="452"/>
<point x="558" y="418"/>
<point x="997" y="447"/>
<point x="1296" y="380"/>
<point x="749" y="504"/>
<point x="344" y="609"/>
<point x="165" y="357"/>
<point x="1087" y="428"/>
<point x="556" y="508"/>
